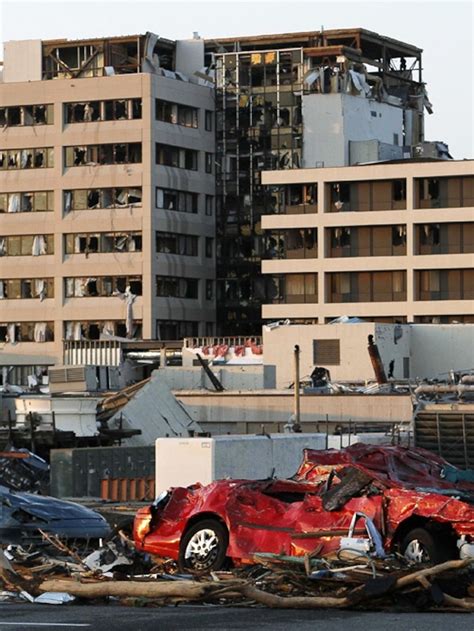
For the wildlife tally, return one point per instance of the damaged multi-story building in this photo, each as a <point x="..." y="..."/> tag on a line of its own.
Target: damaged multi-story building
<point x="387" y="242"/>
<point x="300" y="100"/>
<point x="107" y="224"/>
<point x="131" y="199"/>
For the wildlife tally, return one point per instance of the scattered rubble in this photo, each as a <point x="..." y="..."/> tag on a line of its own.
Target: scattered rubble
<point x="345" y="580"/>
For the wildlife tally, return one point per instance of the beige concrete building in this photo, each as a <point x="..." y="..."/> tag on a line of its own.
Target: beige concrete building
<point x="106" y="194"/>
<point x="388" y="242"/>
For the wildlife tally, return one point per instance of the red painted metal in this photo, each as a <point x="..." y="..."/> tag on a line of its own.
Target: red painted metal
<point x="287" y="516"/>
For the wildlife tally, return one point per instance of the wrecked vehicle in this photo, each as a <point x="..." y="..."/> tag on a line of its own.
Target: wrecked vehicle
<point x="24" y="515"/>
<point x="369" y="499"/>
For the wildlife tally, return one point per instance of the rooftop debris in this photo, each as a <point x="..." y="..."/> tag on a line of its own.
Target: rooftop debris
<point x="148" y="406"/>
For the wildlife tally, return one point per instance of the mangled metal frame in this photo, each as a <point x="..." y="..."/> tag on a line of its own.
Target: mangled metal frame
<point x="314" y="511"/>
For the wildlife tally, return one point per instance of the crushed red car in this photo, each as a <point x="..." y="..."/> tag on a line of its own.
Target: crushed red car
<point x="372" y="499"/>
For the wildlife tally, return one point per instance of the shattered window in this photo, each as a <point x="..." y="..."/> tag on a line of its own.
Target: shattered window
<point x="27" y="245"/>
<point x="178" y="157"/>
<point x="121" y="153"/>
<point x="101" y="286"/>
<point x="26" y="115"/>
<point x="176" y="329"/>
<point x="38" y="201"/>
<point x="181" y="201"/>
<point x="174" y="287"/>
<point x="175" y="243"/>
<point x="90" y="243"/>
<point x="36" y="288"/>
<point x="176" y="113"/>
<point x="37" y="158"/>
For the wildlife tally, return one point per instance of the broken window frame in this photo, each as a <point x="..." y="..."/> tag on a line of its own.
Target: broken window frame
<point x="80" y="198"/>
<point x="452" y="192"/>
<point x="208" y="162"/>
<point x="176" y="157"/>
<point x="102" y="242"/>
<point x="35" y="201"/>
<point x="23" y="159"/>
<point x="292" y="243"/>
<point x="177" y="287"/>
<point x="92" y="58"/>
<point x="181" y="329"/>
<point x="294" y="288"/>
<point x="27" y="115"/>
<point x="22" y="245"/>
<point x="25" y="288"/>
<point x="379" y="240"/>
<point x="25" y="331"/>
<point x="176" y="113"/>
<point x="176" y="200"/>
<point x="347" y="195"/>
<point x="176" y="243"/>
<point x="74" y="329"/>
<point x="104" y="154"/>
<point x="105" y="286"/>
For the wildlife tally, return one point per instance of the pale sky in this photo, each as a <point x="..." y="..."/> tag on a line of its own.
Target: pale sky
<point x="442" y="28"/>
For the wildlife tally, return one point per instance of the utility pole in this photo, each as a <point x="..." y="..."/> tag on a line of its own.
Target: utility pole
<point x="297" y="385"/>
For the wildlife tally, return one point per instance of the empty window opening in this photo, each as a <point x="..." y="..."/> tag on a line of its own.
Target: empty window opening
<point x="175" y="243"/>
<point x="121" y="153"/>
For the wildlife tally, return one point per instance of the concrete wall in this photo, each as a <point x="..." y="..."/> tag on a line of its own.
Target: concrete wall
<point x="323" y="139"/>
<point x="417" y="350"/>
<point x="199" y="224"/>
<point x="231" y="412"/>
<point x="22" y="61"/>
<point x="189" y="55"/>
<point x="231" y="377"/>
<point x="355" y="362"/>
<point x="394" y="344"/>
<point x="438" y="348"/>
<point x="331" y="121"/>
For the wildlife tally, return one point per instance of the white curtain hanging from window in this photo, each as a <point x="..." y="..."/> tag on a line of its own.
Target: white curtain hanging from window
<point x="14" y="203"/>
<point x="40" y="332"/>
<point x="39" y="245"/>
<point x="40" y="289"/>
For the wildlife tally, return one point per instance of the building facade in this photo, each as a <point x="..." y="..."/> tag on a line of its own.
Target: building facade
<point x="131" y="199"/>
<point x="107" y="223"/>
<point x="388" y="242"/>
<point x="299" y="100"/>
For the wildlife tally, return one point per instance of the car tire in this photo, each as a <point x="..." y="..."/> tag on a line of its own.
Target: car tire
<point x="422" y="546"/>
<point x="203" y="547"/>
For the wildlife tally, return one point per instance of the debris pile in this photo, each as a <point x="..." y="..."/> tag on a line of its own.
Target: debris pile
<point x="346" y="580"/>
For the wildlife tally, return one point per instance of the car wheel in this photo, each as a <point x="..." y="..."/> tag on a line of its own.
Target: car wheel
<point x="203" y="547"/>
<point x="421" y="546"/>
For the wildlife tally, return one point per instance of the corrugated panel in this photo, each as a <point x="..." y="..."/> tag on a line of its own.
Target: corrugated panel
<point x="449" y="434"/>
<point x="67" y="375"/>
